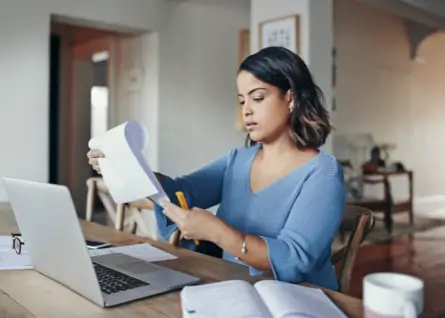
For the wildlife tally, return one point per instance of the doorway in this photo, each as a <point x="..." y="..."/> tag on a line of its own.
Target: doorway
<point x="78" y="105"/>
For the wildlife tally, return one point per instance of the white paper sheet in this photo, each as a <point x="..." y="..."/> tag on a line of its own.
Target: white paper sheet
<point x="143" y="251"/>
<point x="124" y="169"/>
<point x="9" y="260"/>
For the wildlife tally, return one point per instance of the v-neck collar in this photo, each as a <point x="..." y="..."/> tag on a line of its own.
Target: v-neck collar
<point x="276" y="182"/>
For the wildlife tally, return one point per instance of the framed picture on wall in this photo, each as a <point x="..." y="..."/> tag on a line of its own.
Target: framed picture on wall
<point x="284" y="31"/>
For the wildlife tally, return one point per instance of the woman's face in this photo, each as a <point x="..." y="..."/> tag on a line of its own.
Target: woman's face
<point x="265" y="110"/>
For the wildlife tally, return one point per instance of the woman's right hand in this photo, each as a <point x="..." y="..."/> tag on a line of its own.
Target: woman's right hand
<point x="93" y="155"/>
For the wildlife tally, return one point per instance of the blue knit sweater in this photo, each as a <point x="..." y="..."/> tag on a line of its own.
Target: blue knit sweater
<point x="297" y="216"/>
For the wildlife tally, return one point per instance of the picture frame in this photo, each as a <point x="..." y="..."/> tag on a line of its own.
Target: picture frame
<point x="283" y="31"/>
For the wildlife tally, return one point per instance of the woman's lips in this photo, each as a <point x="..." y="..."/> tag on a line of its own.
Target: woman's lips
<point x="250" y="125"/>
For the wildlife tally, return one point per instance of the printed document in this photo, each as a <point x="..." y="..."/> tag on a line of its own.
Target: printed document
<point x="124" y="169"/>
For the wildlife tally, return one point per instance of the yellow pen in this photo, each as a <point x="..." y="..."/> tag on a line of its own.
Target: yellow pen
<point x="183" y="204"/>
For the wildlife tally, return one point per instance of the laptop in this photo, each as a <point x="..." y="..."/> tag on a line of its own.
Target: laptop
<point x="50" y="228"/>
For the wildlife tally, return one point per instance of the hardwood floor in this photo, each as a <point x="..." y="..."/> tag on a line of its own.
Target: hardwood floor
<point x="421" y="254"/>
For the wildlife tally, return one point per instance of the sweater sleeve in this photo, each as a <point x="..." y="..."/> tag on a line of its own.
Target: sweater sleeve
<point x="309" y="229"/>
<point x="202" y="188"/>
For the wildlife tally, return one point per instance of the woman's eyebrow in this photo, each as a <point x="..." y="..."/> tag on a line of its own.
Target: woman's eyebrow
<point x="253" y="90"/>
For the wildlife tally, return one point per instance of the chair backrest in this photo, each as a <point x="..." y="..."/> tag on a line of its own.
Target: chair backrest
<point x="96" y="186"/>
<point x="139" y="205"/>
<point x="118" y="212"/>
<point x="364" y="221"/>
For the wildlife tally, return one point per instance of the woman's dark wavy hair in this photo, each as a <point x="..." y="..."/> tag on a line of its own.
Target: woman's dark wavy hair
<point x="284" y="69"/>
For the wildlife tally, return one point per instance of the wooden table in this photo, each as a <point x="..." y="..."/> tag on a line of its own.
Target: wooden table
<point x="26" y="293"/>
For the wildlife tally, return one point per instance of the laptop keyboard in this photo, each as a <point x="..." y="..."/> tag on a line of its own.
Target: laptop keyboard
<point x="112" y="281"/>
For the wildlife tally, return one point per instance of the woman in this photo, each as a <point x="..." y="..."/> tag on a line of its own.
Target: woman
<point x="280" y="198"/>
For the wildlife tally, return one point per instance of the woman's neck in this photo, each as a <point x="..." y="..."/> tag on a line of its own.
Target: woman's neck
<point x="283" y="148"/>
<point x="279" y="148"/>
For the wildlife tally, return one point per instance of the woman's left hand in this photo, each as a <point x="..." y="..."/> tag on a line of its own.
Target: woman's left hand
<point x="197" y="224"/>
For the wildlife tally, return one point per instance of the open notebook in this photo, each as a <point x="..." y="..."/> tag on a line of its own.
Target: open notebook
<point x="124" y="169"/>
<point x="265" y="299"/>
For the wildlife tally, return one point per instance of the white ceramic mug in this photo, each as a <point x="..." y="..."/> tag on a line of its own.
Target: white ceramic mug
<point x="392" y="295"/>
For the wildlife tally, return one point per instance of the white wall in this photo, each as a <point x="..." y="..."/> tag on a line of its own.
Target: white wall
<point x="321" y="33"/>
<point x="198" y="65"/>
<point x="24" y="38"/>
<point x="137" y="55"/>
<point x="316" y="36"/>
<point x="427" y="117"/>
<point x="381" y="91"/>
<point x="24" y="83"/>
<point x="150" y="112"/>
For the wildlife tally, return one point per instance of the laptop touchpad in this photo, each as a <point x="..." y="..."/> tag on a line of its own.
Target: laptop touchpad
<point x="138" y="268"/>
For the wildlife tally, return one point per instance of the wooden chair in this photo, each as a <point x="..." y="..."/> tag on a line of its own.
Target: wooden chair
<point x="116" y="212"/>
<point x="362" y="221"/>
<point x="135" y="208"/>
<point x="96" y="186"/>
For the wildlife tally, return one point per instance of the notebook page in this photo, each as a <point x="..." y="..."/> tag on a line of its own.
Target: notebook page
<point x="124" y="168"/>
<point x="235" y="299"/>
<point x="292" y="301"/>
